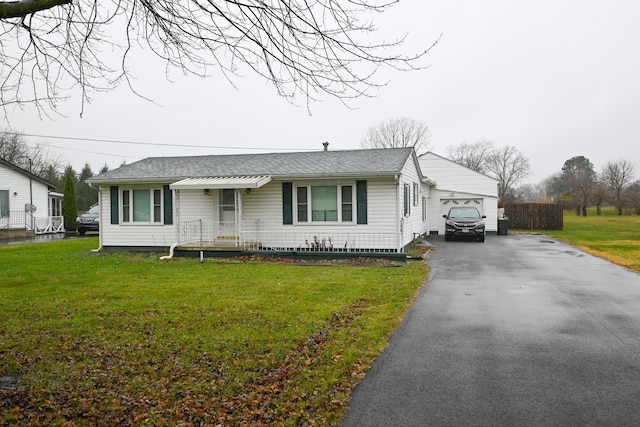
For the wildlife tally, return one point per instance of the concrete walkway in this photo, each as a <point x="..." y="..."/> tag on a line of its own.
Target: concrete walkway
<point x="519" y="331"/>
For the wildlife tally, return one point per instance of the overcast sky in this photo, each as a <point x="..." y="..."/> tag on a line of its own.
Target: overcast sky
<point x="556" y="79"/>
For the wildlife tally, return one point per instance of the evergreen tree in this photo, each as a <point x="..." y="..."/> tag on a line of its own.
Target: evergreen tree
<point x="69" y="207"/>
<point x="87" y="195"/>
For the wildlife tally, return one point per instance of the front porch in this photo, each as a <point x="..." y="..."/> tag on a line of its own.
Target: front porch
<point x="199" y="235"/>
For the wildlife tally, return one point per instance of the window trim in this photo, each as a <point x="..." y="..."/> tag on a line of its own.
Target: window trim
<point x="154" y="208"/>
<point x="339" y="203"/>
<point x="416" y="190"/>
<point x="407" y="200"/>
<point x="6" y="209"/>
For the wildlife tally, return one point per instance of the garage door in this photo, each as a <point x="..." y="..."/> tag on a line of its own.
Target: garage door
<point x="445" y="204"/>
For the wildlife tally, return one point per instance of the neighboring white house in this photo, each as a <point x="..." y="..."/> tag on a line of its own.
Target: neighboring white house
<point x="28" y="202"/>
<point x="339" y="201"/>
<point x="458" y="185"/>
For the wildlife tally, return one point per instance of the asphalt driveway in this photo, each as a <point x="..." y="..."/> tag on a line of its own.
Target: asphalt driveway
<point x="518" y="331"/>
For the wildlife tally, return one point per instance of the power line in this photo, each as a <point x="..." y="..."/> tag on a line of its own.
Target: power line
<point x="93" y="152"/>
<point x="158" y="144"/>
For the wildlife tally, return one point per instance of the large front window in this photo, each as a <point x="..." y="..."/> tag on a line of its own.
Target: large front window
<point x="324" y="203"/>
<point x="142" y="206"/>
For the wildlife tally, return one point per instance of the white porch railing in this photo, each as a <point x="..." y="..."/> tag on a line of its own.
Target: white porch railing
<point x="49" y="224"/>
<point x="15" y="219"/>
<point x="39" y="225"/>
<point x="206" y="234"/>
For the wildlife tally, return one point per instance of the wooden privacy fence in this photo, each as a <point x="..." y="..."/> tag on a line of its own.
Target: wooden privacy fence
<point x="534" y="216"/>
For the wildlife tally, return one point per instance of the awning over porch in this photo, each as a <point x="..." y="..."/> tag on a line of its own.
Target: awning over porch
<point x="217" y="182"/>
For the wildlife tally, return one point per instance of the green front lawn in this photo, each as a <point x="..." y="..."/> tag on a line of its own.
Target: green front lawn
<point x="610" y="236"/>
<point x="120" y="339"/>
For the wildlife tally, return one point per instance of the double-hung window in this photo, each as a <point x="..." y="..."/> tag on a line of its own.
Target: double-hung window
<point x="324" y="203"/>
<point x="407" y="200"/>
<point x="142" y="206"/>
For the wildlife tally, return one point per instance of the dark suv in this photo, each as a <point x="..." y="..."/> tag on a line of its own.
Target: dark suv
<point x="89" y="221"/>
<point x="464" y="221"/>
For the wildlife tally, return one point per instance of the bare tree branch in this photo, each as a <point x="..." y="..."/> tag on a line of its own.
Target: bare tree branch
<point x="19" y="9"/>
<point x="305" y="49"/>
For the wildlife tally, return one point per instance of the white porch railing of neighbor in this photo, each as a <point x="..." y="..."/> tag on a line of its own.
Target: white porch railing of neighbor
<point x="48" y="224"/>
<point x="207" y="234"/>
<point x="39" y="225"/>
<point x="15" y="219"/>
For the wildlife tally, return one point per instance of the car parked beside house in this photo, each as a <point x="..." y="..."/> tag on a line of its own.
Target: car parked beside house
<point x="89" y="221"/>
<point x="464" y="222"/>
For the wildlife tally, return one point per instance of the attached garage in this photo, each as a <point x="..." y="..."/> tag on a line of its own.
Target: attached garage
<point x="457" y="185"/>
<point x="447" y="203"/>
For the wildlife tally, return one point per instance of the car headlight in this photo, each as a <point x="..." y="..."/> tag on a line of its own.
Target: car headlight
<point x="77" y="219"/>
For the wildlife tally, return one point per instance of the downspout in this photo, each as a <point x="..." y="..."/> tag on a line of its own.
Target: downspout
<point x="398" y="215"/>
<point x="176" y="225"/>
<point x="31" y="198"/>
<point x="171" y="249"/>
<point x="100" y="204"/>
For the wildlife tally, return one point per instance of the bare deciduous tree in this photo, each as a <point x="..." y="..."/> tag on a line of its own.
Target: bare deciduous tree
<point x="599" y="194"/>
<point x="33" y="158"/>
<point x="50" y="48"/>
<point x="509" y="166"/>
<point x="472" y="155"/>
<point x="617" y="176"/>
<point x="398" y="133"/>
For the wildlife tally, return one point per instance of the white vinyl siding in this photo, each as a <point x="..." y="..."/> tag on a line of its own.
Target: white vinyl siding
<point x="262" y="209"/>
<point x="132" y="234"/>
<point x="411" y="224"/>
<point x="19" y="193"/>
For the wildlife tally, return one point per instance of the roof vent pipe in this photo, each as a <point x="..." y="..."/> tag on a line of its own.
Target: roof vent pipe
<point x="325" y="145"/>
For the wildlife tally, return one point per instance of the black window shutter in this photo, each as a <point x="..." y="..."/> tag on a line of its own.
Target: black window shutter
<point x="115" y="210"/>
<point x="287" y="203"/>
<point x="168" y="205"/>
<point x="361" y="201"/>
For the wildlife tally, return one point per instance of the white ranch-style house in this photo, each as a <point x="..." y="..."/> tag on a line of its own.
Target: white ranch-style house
<point x="28" y="204"/>
<point x="353" y="202"/>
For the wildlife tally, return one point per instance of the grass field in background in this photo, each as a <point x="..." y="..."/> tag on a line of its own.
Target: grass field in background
<point x="123" y="339"/>
<point x="610" y="236"/>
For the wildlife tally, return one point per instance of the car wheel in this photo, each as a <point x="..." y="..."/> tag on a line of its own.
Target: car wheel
<point x="81" y="231"/>
<point x="481" y="239"/>
<point x="447" y="237"/>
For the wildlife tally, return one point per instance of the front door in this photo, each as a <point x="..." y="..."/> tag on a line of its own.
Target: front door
<point x="227" y="215"/>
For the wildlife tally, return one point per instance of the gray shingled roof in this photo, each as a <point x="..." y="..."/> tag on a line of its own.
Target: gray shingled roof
<point x="375" y="162"/>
